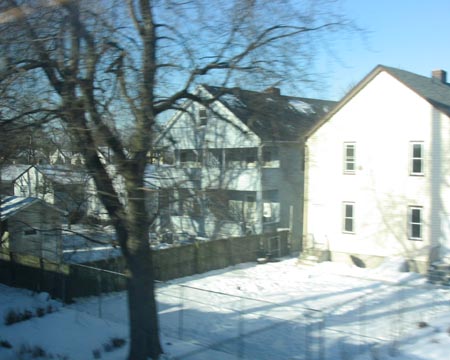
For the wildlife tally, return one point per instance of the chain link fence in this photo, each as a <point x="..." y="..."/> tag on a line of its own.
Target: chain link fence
<point x="246" y="327"/>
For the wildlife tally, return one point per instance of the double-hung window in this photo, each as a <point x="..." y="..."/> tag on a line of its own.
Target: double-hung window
<point x="202" y="116"/>
<point x="348" y="221"/>
<point x="415" y="222"/>
<point x="349" y="157"/>
<point x="416" y="165"/>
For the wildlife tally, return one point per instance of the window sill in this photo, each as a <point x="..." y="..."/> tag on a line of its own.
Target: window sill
<point x="415" y="239"/>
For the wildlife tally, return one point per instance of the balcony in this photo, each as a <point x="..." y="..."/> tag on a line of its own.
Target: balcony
<point x="231" y="179"/>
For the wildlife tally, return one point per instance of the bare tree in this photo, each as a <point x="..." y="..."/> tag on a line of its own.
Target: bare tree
<point x="101" y="66"/>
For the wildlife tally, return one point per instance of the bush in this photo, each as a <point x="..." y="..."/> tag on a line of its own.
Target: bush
<point x="5" y="344"/>
<point x="37" y="352"/>
<point x="33" y="352"/>
<point x="14" y="316"/>
<point x="97" y="354"/>
<point x="26" y="315"/>
<point x="114" y="343"/>
<point x="40" y="312"/>
<point x="118" y="342"/>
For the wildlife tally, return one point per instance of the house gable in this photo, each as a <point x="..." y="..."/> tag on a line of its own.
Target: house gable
<point x="429" y="89"/>
<point x="222" y="130"/>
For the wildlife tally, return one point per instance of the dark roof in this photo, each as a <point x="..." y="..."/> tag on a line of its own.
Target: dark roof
<point x="432" y="90"/>
<point x="271" y="116"/>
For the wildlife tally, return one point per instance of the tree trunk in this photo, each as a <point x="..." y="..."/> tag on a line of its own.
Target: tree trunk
<point x="142" y="309"/>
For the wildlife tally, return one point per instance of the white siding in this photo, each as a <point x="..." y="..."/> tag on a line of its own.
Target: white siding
<point x="440" y="182"/>
<point x="221" y="131"/>
<point x="382" y="119"/>
<point x="33" y="184"/>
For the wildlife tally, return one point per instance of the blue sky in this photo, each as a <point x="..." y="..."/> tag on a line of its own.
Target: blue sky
<point x="413" y="35"/>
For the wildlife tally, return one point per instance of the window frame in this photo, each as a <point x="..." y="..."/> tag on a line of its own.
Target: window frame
<point x="412" y="158"/>
<point x="189" y="158"/>
<point x="345" y="217"/>
<point x="412" y="223"/>
<point x="202" y="116"/>
<point x="347" y="159"/>
<point x="270" y="157"/>
<point x="29" y="232"/>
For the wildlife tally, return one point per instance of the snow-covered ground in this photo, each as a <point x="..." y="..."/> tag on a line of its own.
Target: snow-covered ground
<point x="277" y="310"/>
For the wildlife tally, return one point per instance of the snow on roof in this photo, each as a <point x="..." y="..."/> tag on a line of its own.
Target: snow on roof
<point x="232" y="100"/>
<point x="11" y="205"/>
<point x="63" y="175"/>
<point x="90" y="254"/>
<point x="301" y="106"/>
<point x="271" y="117"/>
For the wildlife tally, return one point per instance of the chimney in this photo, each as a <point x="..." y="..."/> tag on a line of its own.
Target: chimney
<point x="236" y="90"/>
<point x="440" y="75"/>
<point x="273" y="91"/>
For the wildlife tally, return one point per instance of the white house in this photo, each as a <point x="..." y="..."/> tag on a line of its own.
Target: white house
<point x="66" y="157"/>
<point x="378" y="172"/>
<point x="232" y="166"/>
<point x="62" y="186"/>
<point x="9" y="174"/>
<point x="31" y="226"/>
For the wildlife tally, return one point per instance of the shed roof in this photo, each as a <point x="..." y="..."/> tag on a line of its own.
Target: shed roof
<point x="11" y="205"/>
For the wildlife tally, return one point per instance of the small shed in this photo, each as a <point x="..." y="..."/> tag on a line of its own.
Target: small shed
<point x="31" y="226"/>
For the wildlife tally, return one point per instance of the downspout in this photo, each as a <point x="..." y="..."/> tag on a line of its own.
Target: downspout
<point x="259" y="226"/>
<point x="305" y="195"/>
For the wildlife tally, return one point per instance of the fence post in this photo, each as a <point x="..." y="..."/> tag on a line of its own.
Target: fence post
<point x="63" y="284"/>
<point x="181" y="313"/>
<point x="99" y="290"/>
<point x="321" y="336"/>
<point x="399" y="324"/>
<point x="361" y="326"/>
<point x="307" y="334"/>
<point x="241" y="342"/>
